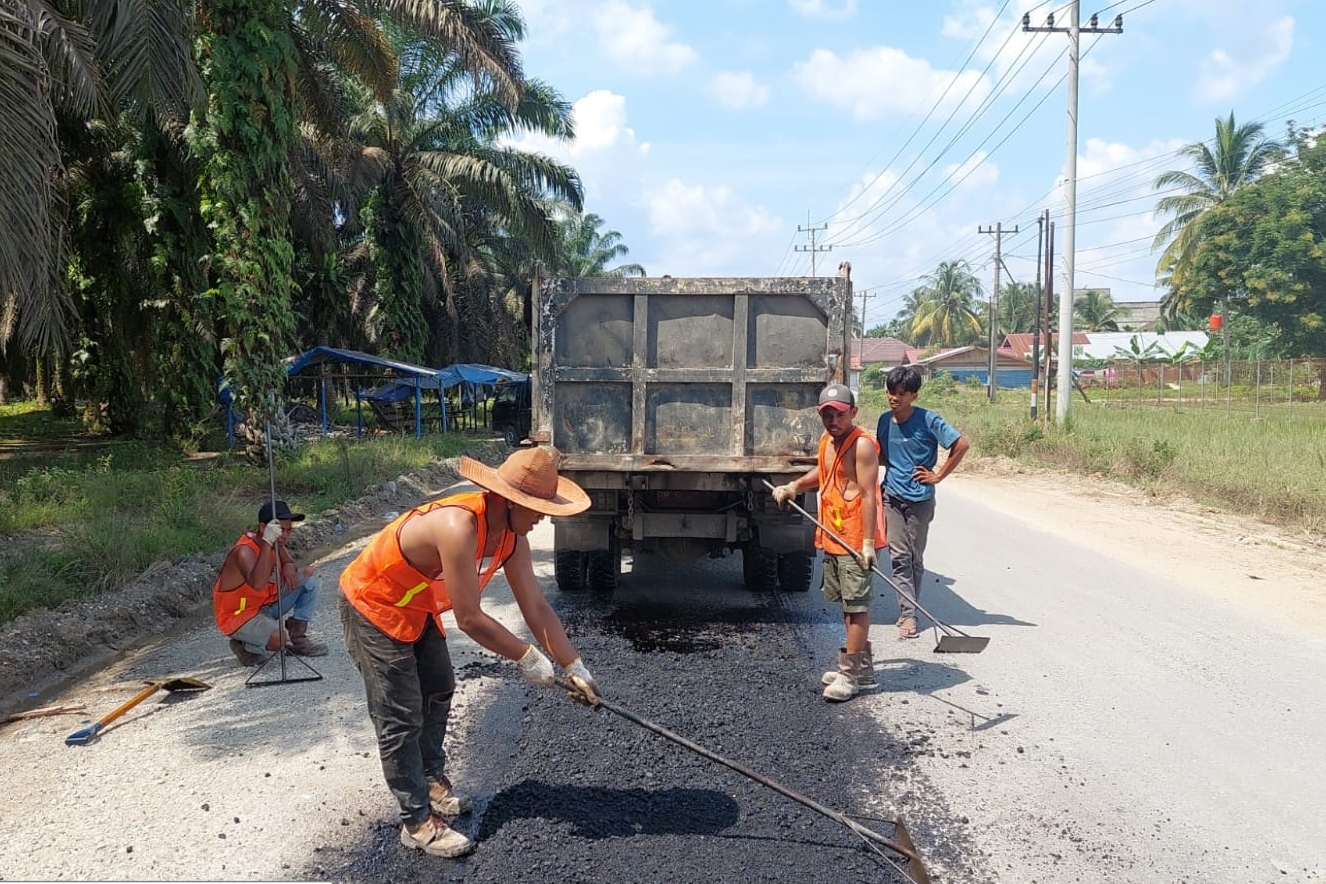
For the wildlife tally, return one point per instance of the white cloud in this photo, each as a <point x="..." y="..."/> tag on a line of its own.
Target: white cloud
<point x="823" y="9"/>
<point x="606" y="151"/>
<point x="1226" y="73"/>
<point x="600" y="126"/>
<point x="700" y="230"/>
<point x="875" y="82"/>
<point x="635" y="39"/>
<point x="738" y="90"/>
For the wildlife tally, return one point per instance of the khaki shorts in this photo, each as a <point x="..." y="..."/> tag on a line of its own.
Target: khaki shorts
<point x="255" y="632"/>
<point x="847" y="583"/>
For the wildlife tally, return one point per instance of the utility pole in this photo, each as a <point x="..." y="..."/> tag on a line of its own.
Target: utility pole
<point x="812" y="248"/>
<point x="998" y="231"/>
<point x="865" y="294"/>
<point x="1049" y="311"/>
<point x="1074" y="32"/>
<point x="1042" y="224"/>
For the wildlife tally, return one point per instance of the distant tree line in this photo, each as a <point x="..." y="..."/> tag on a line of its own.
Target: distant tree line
<point x="1246" y="238"/>
<point x="192" y="189"/>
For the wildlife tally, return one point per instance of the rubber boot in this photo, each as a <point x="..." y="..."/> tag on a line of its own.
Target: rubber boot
<point x="300" y="643"/>
<point x="832" y="675"/>
<point x="865" y="677"/>
<point x="844" y="684"/>
<point x="243" y="654"/>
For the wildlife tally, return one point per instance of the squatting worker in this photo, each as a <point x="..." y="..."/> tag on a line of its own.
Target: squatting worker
<point x="244" y="598"/>
<point x="438" y="557"/>
<point x="846" y="472"/>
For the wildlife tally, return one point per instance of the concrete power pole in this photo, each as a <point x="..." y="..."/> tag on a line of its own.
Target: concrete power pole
<point x="812" y="248"/>
<point x="865" y="293"/>
<point x="1074" y="32"/>
<point x="998" y="231"/>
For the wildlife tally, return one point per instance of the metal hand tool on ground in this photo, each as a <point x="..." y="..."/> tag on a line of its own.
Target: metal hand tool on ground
<point x="952" y="641"/>
<point x="900" y="843"/>
<point x="86" y="735"/>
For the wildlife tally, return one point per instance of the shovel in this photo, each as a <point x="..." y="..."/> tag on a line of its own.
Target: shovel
<point x="901" y="842"/>
<point x="952" y="640"/>
<point x="180" y="683"/>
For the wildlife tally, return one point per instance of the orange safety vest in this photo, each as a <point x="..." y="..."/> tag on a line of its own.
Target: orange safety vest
<point x="839" y="513"/>
<point x="233" y="608"/>
<point x="393" y="595"/>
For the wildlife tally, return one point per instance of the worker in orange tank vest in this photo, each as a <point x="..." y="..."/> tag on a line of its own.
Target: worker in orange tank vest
<point x="244" y="598"/>
<point x="847" y="476"/>
<point x="439" y="557"/>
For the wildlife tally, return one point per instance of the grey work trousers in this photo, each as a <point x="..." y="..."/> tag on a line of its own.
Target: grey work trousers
<point x="908" y="524"/>
<point x="409" y="687"/>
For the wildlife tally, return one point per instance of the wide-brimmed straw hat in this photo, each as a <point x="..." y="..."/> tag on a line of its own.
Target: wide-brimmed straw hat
<point x="529" y="477"/>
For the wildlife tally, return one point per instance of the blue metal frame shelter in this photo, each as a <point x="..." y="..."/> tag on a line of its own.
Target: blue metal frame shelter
<point x="401" y="377"/>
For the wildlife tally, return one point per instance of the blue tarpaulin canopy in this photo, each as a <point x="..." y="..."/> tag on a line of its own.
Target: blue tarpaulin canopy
<point x="399" y="381"/>
<point x="404" y="380"/>
<point x="335" y="355"/>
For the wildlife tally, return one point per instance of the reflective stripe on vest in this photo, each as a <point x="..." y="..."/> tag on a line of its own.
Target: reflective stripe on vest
<point x="395" y="597"/>
<point x="233" y="608"/>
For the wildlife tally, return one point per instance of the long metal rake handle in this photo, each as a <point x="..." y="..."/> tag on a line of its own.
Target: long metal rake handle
<point x="915" y="869"/>
<point x="951" y="630"/>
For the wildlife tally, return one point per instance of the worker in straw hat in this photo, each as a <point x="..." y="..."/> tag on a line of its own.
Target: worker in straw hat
<point x="439" y="557"/>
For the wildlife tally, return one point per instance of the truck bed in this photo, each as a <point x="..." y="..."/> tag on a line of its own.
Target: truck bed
<point x="693" y="375"/>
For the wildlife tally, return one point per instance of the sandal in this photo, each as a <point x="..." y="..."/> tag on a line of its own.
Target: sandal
<point x="907" y="627"/>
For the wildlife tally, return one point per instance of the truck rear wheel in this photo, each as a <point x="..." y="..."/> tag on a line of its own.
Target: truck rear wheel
<point x="759" y="567"/>
<point x="795" y="570"/>
<point x="569" y="569"/>
<point x="604" y="566"/>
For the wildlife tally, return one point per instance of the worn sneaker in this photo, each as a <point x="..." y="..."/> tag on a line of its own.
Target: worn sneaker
<point x="446" y="800"/>
<point x="243" y="655"/>
<point x="434" y="837"/>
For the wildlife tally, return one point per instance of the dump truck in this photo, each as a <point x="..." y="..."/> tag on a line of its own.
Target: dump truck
<point x="671" y="401"/>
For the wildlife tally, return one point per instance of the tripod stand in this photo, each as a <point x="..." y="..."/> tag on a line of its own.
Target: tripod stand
<point x="285" y="678"/>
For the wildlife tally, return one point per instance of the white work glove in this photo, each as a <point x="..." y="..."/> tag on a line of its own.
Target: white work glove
<point x="272" y="533"/>
<point x="868" y="557"/>
<point x="586" y="691"/>
<point x="536" y="668"/>
<point x="783" y="493"/>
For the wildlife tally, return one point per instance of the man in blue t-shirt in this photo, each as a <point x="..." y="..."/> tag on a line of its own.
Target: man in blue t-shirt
<point x="910" y="439"/>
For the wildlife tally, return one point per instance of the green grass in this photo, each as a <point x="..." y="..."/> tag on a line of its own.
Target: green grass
<point x="1272" y="467"/>
<point x="74" y="522"/>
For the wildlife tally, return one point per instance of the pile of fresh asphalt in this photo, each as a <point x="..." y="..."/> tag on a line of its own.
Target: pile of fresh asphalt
<point x="585" y="795"/>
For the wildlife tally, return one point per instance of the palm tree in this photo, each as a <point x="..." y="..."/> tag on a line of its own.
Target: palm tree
<point x="1017" y="308"/>
<point x="258" y="76"/>
<point x="57" y="68"/>
<point x="1240" y="155"/>
<point x="1095" y="311"/>
<point x="946" y="307"/>
<point x="587" y="252"/>
<point x="445" y="189"/>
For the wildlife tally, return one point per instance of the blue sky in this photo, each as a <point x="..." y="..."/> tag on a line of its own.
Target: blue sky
<point x="709" y="131"/>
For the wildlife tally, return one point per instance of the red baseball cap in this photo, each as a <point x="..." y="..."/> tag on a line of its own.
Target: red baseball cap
<point x="837" y="397"/>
